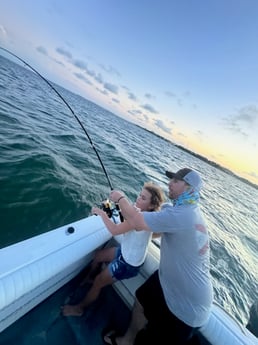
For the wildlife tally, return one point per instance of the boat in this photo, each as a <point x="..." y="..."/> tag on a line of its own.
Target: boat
<point x="35" y="271"/>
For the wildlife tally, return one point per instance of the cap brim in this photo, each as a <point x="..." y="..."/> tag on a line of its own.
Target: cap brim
<point x="170" y="174"/>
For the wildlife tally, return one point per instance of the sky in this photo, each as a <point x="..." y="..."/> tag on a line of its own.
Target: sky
<point x="184" y="69"/>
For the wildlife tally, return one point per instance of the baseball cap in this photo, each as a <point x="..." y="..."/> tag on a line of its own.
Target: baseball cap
<point x="189" y="176"/>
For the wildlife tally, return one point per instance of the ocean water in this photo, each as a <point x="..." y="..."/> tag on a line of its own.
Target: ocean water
<point x="50" y="176"/>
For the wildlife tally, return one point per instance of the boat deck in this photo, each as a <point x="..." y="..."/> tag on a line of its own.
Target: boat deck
<point x="45" y="325"/>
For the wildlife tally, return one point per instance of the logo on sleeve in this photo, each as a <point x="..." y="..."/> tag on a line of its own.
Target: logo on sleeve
<point x="202" y="238"/>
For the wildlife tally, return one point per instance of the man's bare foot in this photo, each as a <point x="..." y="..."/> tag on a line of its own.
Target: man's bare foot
<point x="72" y="310"/>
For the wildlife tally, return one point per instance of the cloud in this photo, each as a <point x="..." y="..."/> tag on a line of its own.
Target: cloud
<point x="42" y="50"/>
<point x="80" y="64"/>
<point x="247" y="115"/>
<point x="200" y="135"/>
<point x="146" y="118"/>
<point x="149" y="96"/>
<point x="3" y="31"/>
<point x="115" y="100"/>
<point x="104" y="92"/>
<point x="244" y="121"/>
<point x="170" y="94"/>
<point x="64" y="52"/>
<point x="99" y="78"/>
<point x="111" y="87"/>
<point x="161" y="125"/>
<point x="182" y="135"/>
<point x="58" y="62"/>
<point x="175" y="97"/>
<point x="135" y="112"/>
<point x="83" y="66"/>
<point x="83" y="78"/>
<point x="132" y="96"/>
<point x="253" y="174"/>
<point x="110" y="70"/>
<point x="150" y="108"/>
<point x="180" y="100"/>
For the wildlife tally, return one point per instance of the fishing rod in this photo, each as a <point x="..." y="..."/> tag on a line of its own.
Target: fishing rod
<point x="69" y="107"/>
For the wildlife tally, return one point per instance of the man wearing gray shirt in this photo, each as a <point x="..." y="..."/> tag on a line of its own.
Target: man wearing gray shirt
<point x="177" y="298"/>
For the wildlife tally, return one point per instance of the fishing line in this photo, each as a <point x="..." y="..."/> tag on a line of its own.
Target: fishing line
<point x="69" y="107"/>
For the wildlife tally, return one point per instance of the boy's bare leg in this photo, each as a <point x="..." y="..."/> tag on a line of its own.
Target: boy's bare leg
<point x="101" y="256"/>
<point x="102" y="279"/>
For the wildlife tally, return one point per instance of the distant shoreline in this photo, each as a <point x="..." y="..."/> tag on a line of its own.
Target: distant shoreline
<point x="216" y="165"/>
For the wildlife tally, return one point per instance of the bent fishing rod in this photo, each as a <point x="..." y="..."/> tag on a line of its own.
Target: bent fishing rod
<point x="68" y="106"/>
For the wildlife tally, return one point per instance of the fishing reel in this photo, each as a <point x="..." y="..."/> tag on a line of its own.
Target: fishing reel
<point x="107" y="207"/>
<point x="112" y="212"/>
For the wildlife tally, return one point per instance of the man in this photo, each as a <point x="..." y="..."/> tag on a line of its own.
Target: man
<point x="177" y="298"/>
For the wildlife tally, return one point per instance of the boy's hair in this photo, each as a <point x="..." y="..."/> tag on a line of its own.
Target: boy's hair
<point x="157" y="195"/>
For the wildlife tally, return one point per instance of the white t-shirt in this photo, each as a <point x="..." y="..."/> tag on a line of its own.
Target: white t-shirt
<point x="134" y="245"/>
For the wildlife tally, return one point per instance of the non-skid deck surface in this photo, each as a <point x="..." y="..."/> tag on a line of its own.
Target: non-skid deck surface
<point x="45" y="325"/>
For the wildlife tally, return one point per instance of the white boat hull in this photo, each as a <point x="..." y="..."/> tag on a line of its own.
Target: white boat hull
<point x="33" y="269"/>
